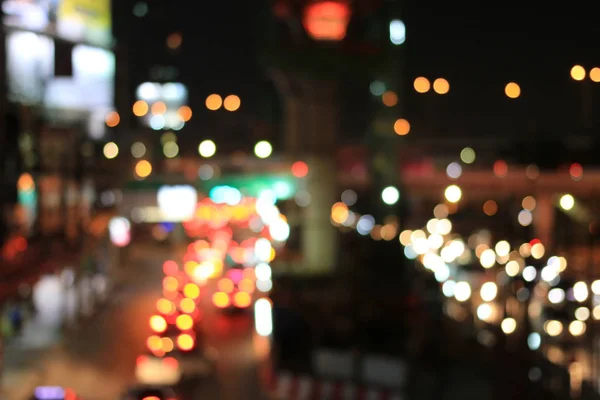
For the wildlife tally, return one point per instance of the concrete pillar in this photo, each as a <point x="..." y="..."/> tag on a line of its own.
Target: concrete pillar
<point x="319" y="236"/>
<point x="544" y="219"/>
<point x="311" y="126"/>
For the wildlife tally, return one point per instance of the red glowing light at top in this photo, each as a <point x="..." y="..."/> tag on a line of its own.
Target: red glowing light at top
<point x="327" y="20"/>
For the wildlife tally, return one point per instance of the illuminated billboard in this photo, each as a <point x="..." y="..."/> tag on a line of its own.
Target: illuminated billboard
<point x="75" y="20"/>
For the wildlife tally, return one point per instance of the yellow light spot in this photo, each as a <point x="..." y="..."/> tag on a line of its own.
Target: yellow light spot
<point x="595" y="74"/>
<point x="191" y="291"/>
<point x="143" y="169"/>
<point x="512" y="90"/>
<point x="578" y="73"/>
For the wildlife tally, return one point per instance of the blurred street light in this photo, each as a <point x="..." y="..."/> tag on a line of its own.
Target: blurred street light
<point x="140" y="108"/>
<point x="595" y="74"/>
<point x="214" y="102"/>
<point x="402" y="127"/>
<point x="441" y="86"/>
<point x="263" y="149"/>
<point x="232" y="103"/>
<point x="567" y="202"/>
<point x="422" y="84"/>
<point x="185" y="113"/>
<point x="143" y="169"/>
<point x="112" y="119"/>
<point x="111" y="150"/>
<point x="578" y="73"/>
<point x="512" y="90"/>
<point x="390" y="195"/>
<point x="207" y="148"/>
<point x="397" y="32"/>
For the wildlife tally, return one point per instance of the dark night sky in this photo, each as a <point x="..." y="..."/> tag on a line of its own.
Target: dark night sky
<point x="477" y="48"/>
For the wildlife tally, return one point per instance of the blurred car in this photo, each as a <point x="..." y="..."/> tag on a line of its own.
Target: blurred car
<point x="151" y="369"/>
<point x="53" y="393"/>
<point x="235" y="291"/>
<point x="150" y="393"/>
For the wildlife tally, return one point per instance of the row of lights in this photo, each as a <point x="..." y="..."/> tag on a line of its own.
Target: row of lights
<point x="207" y="148"/>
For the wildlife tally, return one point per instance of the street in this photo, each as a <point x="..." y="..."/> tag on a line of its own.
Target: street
<point x="97" y="360"/>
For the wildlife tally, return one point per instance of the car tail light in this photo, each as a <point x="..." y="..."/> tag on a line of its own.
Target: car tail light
<point x="185" y="342"/>
<point x="158" y="323"/>
<point x="141" y="360"/>
<point x="184" y="322"/>
<point x="150" y="398"/>
<point x="221" y="300"/>
<point x="170" y="362"/>
<point x="242" y="300"/>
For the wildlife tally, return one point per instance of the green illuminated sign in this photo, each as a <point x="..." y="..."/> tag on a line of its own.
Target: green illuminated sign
<point x="284" y="186"/>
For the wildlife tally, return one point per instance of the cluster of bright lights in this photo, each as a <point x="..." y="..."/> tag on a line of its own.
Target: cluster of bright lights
<point x="445" y="255"/>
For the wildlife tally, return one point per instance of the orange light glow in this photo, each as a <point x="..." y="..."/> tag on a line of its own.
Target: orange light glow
<point x="112" y="119"/>
<point x="221" y="300"/>
<point x="185" y="342"/>
<point x="327" y="20"/>
<point x="191" y="290"/>
<point x="389" y="98"/>
<point x="158" y="324"/>
<point x="150" y="398"/>
<point x="184" y="322"/>
<point x="339" y="213"/>
<point x="185" y="113"/>
<point x="214" y="102"/>
<point x="158" y="108"/>
<point x="232" y="103"/>
<point x="140" y="108"/>
<point x="154" y="343"/>
<point x="165" y="306"/>
<point x="441" y="86"/>
<point x="167" y="345"/>
<point x="225" y="285"/>
<point x="401" y="127"/>
<point x="246" y="285"/>
<point x="421" y="85"/>
<point x="190" y="267"/>
<point x="170" y="284"/>
<point x="242" y="299"/>
<point x="512" y="90"/>
<point x="299" y="169"/>
<point x="187" y="306"/>
<point x="26" y="183"/>
<point x="143" y="169"/>
<point x="490" y="208"/>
